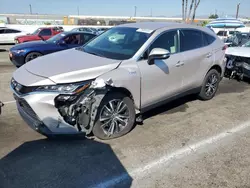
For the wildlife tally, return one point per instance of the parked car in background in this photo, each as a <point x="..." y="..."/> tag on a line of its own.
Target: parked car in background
<point x="22" y="53"/>
<point x="101" y="30"/>
<point x="102" y="86"/>
<point x="238" y="39"/>
<point x="86" y="29"/>
<point x="225" y="34"/>
<point x="42" y="33"/>
<point x="8" y="35"/>
<point x="238" y="62"/>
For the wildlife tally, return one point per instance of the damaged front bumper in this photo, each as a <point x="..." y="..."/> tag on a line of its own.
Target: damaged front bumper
<point x="52" y="113"/>
<point x="237" y="67"/>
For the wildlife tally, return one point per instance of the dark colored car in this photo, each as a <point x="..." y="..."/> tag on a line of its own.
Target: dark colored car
<point x="22" y="53"/>
<point x="43" y="33"/>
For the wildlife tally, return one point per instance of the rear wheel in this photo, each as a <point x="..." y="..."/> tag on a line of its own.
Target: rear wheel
<point x="115" y="117"/>
<point x="32" y="56"/>
<point x="210" y="85"/>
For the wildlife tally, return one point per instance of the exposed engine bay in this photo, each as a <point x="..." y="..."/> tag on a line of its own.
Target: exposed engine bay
<point x="237" y="67"/>
<point x="80" y="109"/>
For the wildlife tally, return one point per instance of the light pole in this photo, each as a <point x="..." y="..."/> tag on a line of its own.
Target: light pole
<point x="135" y="11"/>
<point x="30" y="9"/>
<point x="78" y="10"/>
<point x="237" y="11"/>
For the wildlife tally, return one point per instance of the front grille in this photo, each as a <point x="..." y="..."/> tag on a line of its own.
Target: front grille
<point x="26" y="108"/>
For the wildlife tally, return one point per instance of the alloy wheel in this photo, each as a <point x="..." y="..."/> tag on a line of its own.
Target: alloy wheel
<point x="212" y="84"/>
<point x="114" y="117"/>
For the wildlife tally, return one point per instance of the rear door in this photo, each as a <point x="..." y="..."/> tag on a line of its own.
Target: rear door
<point x="197" y="57"/>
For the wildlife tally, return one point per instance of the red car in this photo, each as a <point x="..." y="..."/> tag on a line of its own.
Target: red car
<point x="42" y="33"/>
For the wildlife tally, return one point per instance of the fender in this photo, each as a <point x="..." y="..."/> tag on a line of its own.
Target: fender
<point x="126" y="76"/>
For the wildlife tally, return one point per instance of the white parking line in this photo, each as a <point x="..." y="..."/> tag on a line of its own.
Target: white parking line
<point x="142" y="171"/>
<point x="9" y="102"/>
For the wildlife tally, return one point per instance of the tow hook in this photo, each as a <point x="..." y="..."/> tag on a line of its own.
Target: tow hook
<point x="1" y="105"/>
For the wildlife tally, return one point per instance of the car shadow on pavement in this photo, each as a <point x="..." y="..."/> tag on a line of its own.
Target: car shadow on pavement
<point x="62" y="163"/>
<point x="233" y="86"/>
<point x="178" y="105"/>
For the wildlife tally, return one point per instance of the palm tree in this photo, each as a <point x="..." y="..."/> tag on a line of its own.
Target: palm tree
<point x="183" y="16"/>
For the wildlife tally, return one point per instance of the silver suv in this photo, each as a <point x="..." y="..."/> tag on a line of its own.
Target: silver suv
<point x="103" y="86"/>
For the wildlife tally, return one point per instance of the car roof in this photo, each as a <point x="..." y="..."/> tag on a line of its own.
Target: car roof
<point x="156" y="25"/>
<point x="76" y="32"/>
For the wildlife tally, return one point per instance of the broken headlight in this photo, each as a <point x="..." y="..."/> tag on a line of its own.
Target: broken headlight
<point x="74" y="88"/>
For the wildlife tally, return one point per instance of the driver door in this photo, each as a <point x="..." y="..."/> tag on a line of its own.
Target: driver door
<point x="163" y="79"/>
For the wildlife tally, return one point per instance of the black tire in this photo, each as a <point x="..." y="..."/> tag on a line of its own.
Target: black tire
<point x="98" y="130"/>
<point x="203" y="95"/>
<point x="32" y="55"/>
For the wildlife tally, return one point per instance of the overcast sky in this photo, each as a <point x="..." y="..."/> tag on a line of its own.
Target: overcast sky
<point x="121" y="7"/>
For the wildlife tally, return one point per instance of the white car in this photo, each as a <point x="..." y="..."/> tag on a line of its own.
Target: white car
<point x="7" y="35"/>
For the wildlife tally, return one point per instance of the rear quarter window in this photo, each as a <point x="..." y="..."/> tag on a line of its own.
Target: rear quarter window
<point x="208" y="39"/>
<point x="190" y="39"/>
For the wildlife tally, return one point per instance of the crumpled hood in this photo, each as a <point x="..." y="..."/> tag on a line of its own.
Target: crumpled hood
<point x="70" y="66"/>
<point x="238" y="51"/>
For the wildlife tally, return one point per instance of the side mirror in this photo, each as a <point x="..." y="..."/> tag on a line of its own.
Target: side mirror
<point x="158" y="53"/>
<point x="62" y="42"/>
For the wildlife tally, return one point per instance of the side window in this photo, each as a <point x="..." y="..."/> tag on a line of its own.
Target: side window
<point x="1" y="31"/>
<point x="208" y="39"/>
<point x="11" y="31"/>
<point x="190" y="40"/>
<point x="168" y="41"/>
<point x="222" y="33"/>
<point x="45" y="32"/>
<point x="85" y="38"/>
<point x="72" y="39"/>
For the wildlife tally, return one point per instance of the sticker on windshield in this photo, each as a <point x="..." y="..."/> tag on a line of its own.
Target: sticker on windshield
<point x="144" y="30"/>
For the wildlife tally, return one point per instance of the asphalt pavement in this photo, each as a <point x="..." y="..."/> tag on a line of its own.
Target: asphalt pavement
<point x="186" y="143"/>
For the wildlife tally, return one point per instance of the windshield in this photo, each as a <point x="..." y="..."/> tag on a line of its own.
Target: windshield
<point x="56" y="38"/>
<point x="247" y="44"/>
<point x="36" y="32"/>
<point x="118" y="43"/>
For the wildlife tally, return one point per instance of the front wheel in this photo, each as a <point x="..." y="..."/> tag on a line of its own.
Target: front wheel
<point x="115" y="117"/>
<point x="210" y="85"/>
<point x="32" y="56"/>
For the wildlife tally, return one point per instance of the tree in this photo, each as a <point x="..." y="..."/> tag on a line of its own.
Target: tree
<point x="183" y="16"/>
<point x="192" y="9"/>
<point x="196" y="4"/>
<point x="186" y="10"/>
<point x="213" y="16"/>
<point x="204" y="23"/>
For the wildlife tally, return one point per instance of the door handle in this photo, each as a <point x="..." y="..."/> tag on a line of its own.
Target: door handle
<point x="180" y="63"/>
<point x="208" y="55"/>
